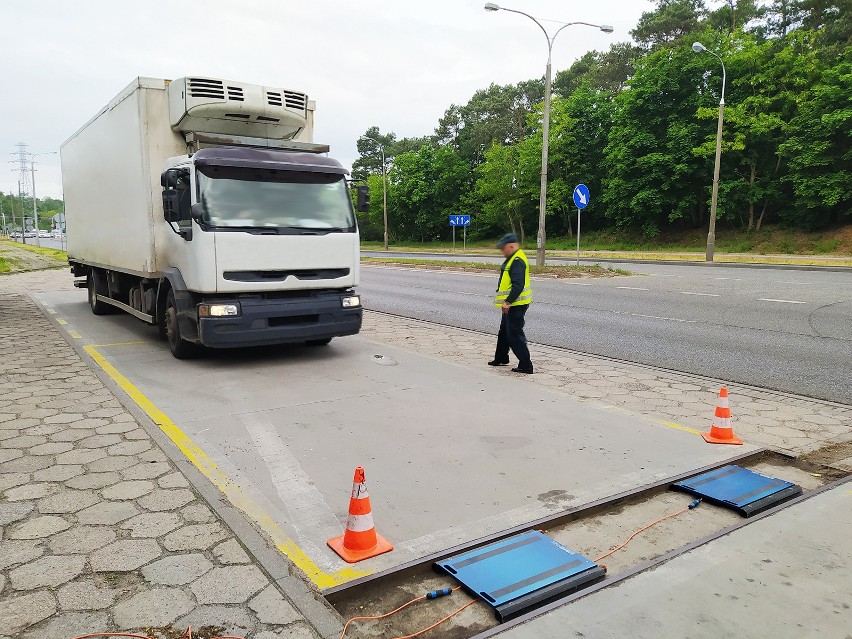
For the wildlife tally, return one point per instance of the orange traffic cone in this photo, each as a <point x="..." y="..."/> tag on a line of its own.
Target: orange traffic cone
<point x="721" y="431"/>
<point x="360" y="539"/>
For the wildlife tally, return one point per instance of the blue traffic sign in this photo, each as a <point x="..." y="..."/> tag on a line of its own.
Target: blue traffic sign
<point x="581" y="196"/>
<point x="459" y="220"/>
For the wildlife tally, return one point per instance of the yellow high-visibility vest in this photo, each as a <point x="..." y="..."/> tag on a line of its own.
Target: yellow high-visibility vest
<point x="505" y="285"/>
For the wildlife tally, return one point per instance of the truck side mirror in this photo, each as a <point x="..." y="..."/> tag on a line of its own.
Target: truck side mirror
<point x="171" y="205"/>
<point x="363" y="198"/>
<point x="169" y="178"/>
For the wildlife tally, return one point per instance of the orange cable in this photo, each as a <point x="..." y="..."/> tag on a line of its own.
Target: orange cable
<point x="438" y="623"/>
<point x="653" y="523"/>
<point x="388" y="614"/>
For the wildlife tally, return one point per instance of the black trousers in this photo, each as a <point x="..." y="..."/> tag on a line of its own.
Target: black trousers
<point x="512" y="336"/>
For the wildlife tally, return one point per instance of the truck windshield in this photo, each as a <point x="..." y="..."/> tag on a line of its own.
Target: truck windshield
<point x="284" y="200"/>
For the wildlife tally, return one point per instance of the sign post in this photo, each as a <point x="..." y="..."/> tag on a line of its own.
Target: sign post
<point x="463" y="221"/>
<point x="581" y="199"/>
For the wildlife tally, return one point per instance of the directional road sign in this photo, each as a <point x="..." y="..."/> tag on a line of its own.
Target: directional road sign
<point x="581" y="196"/>
<point x="459" y="220"/>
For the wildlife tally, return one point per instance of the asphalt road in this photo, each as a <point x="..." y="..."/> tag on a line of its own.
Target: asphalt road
<point x="783" y="329"/>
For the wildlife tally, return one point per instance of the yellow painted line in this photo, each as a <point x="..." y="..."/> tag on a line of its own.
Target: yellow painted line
<point x="121" y="344"/>
<point x="62" y="321"/>
<point x="224" y="483"/>
<point x="75" y="335"/>
<point x="677" y="426"/>
<point x="52" y="311"/>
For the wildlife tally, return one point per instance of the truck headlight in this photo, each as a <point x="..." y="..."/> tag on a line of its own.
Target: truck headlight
<point x="218" y="310"/>
<point x="351" y="301"/>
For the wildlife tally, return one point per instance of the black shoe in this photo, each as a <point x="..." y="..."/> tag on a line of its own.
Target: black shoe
<point x="494" y="362"/>
<point x="518" y="369"/>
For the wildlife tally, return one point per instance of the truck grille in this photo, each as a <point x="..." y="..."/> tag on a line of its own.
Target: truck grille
<point x="235" y="93"/>
<point x="290" y="99"/>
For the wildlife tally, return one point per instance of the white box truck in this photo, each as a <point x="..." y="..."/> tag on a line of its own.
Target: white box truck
<point x="202" y="206"/>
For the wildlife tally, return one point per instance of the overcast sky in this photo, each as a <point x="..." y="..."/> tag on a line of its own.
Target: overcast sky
<point x="396" y="64"/>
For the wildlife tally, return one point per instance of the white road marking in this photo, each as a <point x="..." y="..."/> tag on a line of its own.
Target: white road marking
<point x="703" y="294"/>
<point x="669" y="319"/>
<point x="766" y="299"/>
<point x="633" y="288"/>
<point x="304" y="502"/>
<point x="579" y="283"/>
<point x="733" y="279"/>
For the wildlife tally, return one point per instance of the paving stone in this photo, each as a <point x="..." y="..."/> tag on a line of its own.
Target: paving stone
<point x="111" y="429"/>
<point x="294" y="631"/>
<point x="60" y="472"/>
<point x="8" y="434"/>
<point x="197" y="513"/>
<point x="69" y="624"/>
<point x="195" y="537"/>
<point x="81" y="540"/>
<point x="153" y="455"/>
<point x="128" y="489"/>
<point x="124" y="555"/>
<point x="24" y="441"/>
<point x="108" y="512"/>
<point x="26" y="464"/>
<point x="155" y="607"/>
<point x="89" y="423"/>
<point x="10" y="480"/>
<point x="84" y="595"/>
<point x="67" y="501"/>
<point x="10" y="454"/>
<point x="174" y="480"/>
<point x="38" y="528"/>
<point x="271" y="607"/>
<point x="30" y="491"/>
<point x="70" y="435"/>
<point x="231" y="584"/>
<point x="51" y="448"/>
<point x="106" y="412"/>
<point x="230" y="552"/>
<point x="177" y="570"/>
<point x="47" y="572"/>
<point x="100" y="441"/>
<point x="93" y="480"/>
<point x="167" y="499"/>
<point x="83" y="456"/>
<point x="62" y="418"/>
<point x="111" y="463"/>
<point x="10" y="513"/>
<point x="137" y="434"/>
<point x="236" y="621"/>
<point x="23" y="611"/>
<point x="14" y="552"/>
<point x="129" y="448"/>
<point x="152" y="524"/>
<point x="146" y="470"/>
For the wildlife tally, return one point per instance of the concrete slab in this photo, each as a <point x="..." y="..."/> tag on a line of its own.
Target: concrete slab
<point x="785" y="576"/>
<point x="451" y="454"/>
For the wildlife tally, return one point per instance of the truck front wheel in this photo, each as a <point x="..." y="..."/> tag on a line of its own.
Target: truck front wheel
<point x="179" y="347"/>
<point x="97" y="286"/>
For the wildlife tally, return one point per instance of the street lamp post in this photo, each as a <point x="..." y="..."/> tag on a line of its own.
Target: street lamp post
<point x="384" y="187"/>
<point x="542" y="202"/>
<point x="711" y="235"/>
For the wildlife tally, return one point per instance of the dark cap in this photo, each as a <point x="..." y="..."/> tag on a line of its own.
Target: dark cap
<point x="509" y="238"/>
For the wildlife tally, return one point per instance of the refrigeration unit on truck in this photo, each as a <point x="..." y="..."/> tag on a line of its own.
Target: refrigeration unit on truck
<point x="202" y="206"/>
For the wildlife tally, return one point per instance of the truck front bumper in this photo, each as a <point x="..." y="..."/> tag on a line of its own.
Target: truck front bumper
<point x="281" y="320"/>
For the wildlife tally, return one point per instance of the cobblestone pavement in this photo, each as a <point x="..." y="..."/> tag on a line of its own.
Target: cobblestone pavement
<point x="99" y="530"/>
<point x="784" y="422"/>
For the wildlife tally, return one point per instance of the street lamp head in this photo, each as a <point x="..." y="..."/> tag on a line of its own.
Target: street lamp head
<point x="606" y="28"/>
<point x="698" y="47"/>
<point x="490" y="6"/>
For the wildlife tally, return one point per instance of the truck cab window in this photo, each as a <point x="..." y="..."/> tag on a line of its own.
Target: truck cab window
<point x="259" y="198"/>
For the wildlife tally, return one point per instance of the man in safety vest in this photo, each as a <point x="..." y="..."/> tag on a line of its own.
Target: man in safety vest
<point x="513" y="298"/>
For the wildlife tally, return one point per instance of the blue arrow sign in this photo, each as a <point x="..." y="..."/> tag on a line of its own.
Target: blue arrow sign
<point x="581" y="196"/>
<point x="459" y="220"/>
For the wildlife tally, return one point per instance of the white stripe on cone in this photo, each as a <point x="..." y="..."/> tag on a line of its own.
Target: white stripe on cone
<point x="360" y="523"/>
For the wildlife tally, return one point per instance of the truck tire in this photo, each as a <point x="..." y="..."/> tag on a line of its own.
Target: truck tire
<point x="179" y="347"/>
<point x="319" y="342"/>
<point x="97" y="286"/>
